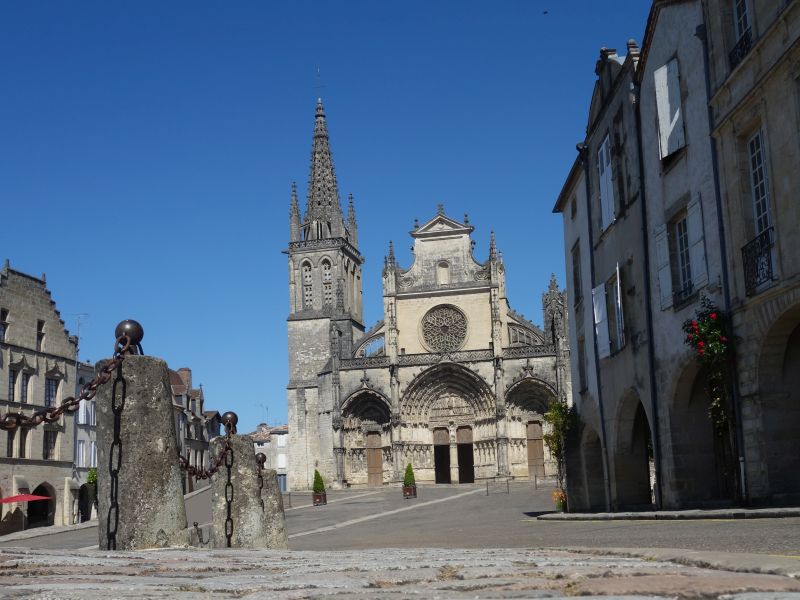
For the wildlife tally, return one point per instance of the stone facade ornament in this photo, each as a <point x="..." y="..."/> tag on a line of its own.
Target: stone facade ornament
<point x="444" y="328"/>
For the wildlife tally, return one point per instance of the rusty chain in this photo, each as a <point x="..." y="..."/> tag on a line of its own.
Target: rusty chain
<point x="200" y="473"/>
<point x="13" y="420"/>
<point x="261" y="458"/>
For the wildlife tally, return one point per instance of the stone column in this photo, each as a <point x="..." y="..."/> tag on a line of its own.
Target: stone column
<point x="138" y="460"/>
<point x="277" y="536"/>
<point x="248" y="522"/>
<point x="453" y="456"/>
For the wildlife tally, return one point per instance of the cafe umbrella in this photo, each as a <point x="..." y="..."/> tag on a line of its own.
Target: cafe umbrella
<point x="23" y="498"/>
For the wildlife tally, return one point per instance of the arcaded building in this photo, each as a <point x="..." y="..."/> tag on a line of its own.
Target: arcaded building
<point x="451" y="379"/>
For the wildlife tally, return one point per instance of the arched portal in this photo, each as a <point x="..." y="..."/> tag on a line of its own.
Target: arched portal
<point x="633" y="454"/>
<point x="779" y="392"/>
<point x="41" y="513"/>
<point x="448" y="415"/>
<point x="85" y="502"/>
<point x="367" y="437"/>
<point x="527" y="402"/>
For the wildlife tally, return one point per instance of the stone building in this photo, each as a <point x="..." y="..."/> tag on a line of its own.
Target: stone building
<point x="451" y="380"/>
<point x="273" y="442"/>
<point x="194" y="426"/>
<point x="754" y="57"/>
<point x="85" y="444"/>
<point x="606" y="265"/>
<point x="37" y="370"/>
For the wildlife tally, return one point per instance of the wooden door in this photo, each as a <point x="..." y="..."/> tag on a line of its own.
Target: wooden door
<point x="535" y="450"/>
<point x="374" y="459"/>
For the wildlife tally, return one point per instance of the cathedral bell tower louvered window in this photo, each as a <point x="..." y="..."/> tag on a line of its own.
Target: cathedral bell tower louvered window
<point x="327" y="283"/>
<point x="308" y="286"/>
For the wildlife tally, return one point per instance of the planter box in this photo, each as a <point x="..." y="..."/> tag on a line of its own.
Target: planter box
<point x="409" y="491"/>
<point x="320" y="498"/>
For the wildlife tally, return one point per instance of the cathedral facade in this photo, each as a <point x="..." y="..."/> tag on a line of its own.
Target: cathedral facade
<point x="451" y="380"/>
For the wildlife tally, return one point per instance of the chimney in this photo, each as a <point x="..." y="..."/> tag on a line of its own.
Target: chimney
<point x="186" y="376"/>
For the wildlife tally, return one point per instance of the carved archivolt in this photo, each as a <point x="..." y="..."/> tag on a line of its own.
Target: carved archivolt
<point x="444" y="328"/>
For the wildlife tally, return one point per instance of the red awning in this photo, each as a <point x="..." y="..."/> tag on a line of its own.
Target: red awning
<point x="22" y="498"/>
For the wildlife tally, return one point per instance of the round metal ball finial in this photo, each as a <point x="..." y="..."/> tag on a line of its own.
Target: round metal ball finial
<point x="261" y="458"/>
<point x="133" y="329"/>
<point x="230" y="418"/>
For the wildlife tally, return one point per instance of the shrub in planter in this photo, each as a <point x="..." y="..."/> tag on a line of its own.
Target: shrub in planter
<point x="320" y="497"/>
<point x="409" y="483"/>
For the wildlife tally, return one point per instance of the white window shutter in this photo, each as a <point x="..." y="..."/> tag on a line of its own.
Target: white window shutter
<point x="668" y="106"/>
<point x="606" y="185"/>
<point x="663" y="268"/>
<point x="601" y="321"/>
<point x="697" y="250"/>
<point x="620" y="316"/>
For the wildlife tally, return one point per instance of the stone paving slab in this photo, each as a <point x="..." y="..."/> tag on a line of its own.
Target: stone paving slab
<point x="671" y="515"/>
<point x="384" y="573"/>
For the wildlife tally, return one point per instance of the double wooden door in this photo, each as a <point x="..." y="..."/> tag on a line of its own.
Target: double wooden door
<point x="535" y="450"/>
<point x="374" y="459"/>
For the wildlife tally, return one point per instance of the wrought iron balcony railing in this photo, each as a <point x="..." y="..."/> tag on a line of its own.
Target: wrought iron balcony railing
<point x="757" y="261"/>
<point x="741" y="48"/>
<point x="679" y="296"/>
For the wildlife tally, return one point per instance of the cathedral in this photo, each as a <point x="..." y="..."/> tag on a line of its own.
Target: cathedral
<point x="451" y="380"/>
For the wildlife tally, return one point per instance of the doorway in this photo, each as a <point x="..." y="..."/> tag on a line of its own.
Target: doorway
<point x="85" y="501"/>
<point x="374" y="459"/>
<point x="535" y="450"/>
<point x="441" y="454"/>
<point x="466" y="458"/>
<point x="41" y="512"/>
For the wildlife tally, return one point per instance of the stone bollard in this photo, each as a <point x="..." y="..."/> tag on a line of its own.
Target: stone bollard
<point x="140" y="498"/>
<point x="247" y="527"/>
<point x="277" y="536"/>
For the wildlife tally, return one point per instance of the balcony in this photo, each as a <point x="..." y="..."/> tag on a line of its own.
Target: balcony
<point x="757" y="262"/>
<point x="741" y="48"/>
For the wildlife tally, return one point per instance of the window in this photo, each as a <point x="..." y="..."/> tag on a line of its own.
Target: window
<point x="671" y="136"/>
<point x="82" y="413"/>
<point x="577" y="294"/>
<point x="281" y="461"/>
<point x="23" y="442"/>
<point x="3" y="324"/>
<point x="582" y="364"/>
<point x="281" y="441"/>
<point x="681" y="256"/>
<point x="759" y="183"/>
<point x="741" y="18"/>
<point x="327" y="283"/>
<point x="23" y="389"/>
<point x="92" y="408"/>
<point x="39" y="335"/>
<point x="616" y="321"/>
<point x="49" y="445"/>
<point x="92" y="454"/>
<point x="606" y="184"/>
<point x="80" y="454"/>
<point x="50" y="391"/>
<point x="601" y="321"/>
<point x="308" y="286"/>
<point x="443" y="273"/>
<point x="12" y="434"/>
<point x="12" y="384"/>
<point x="521" y="336"/>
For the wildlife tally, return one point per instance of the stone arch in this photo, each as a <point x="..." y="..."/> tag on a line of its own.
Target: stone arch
<point x="86" y="495"/>
<point x="41" y="513"/>
<point x="701" y="469"/>
<point x="632" y="452"/>
<point x="366" y="432"/>
<point x="779" y="395"/>
<point x="527" y="401"/>
<point x="442" y="379"/>
<point x="591" y="484"/>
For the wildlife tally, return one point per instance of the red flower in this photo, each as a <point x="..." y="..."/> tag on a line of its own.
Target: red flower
<point x="713" y="316"/>
<point x="701" y="351"/>
<point x="689" y="337"/>
<point x="700" y="344"/>
<point x="694" y="324"/>
<point x="723" y="339"/>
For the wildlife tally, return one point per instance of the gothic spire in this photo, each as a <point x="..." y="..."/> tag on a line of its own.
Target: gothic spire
<point x="391" y="254"/>
<point x="323" y="209"/>
<point x="352" y="228"/>
<point x="294" y="215"/>
<point x="492" y="246"/>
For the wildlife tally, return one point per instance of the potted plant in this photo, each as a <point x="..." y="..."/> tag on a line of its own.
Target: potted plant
<point x="559" y="499"/>
<point x="320" y="497"/>
<point x="409" y="483"/>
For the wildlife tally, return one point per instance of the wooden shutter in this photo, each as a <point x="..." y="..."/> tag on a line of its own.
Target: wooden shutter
<point x="620" y="316"/>
<point x="606" y="185"/>
<point x="668" y="106"/>
<point x="601" y="321"/>
<point x="662" y="267"/>
<point x="697" y="246"/>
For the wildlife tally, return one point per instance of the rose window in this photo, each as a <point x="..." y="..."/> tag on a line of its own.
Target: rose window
<point x="444" y="328"/>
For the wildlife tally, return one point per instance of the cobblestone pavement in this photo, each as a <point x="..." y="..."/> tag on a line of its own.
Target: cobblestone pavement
<point x="387" y="573"/>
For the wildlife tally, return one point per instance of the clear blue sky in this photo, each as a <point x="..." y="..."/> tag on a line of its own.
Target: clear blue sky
<point x="147" y="151"/>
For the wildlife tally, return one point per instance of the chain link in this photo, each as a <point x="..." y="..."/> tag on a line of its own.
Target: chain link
<point x="13" y="420"/>
<point x="200" y="473"/>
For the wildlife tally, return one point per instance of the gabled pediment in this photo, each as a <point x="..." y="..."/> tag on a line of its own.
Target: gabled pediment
<point x="441" y="224"/>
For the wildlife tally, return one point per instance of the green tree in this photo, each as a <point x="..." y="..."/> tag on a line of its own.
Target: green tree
<point x="319" y="485"/>
<point x="91" y="476"/>
<point x="408" y="478"/>
<point x="562" y="419"/>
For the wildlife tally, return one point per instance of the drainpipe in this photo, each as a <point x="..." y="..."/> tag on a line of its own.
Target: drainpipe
<point x="701" y="34"/>
<point x="651" y="358"/>
<point x="583" y="151"/>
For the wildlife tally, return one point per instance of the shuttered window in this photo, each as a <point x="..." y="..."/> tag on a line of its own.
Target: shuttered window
<point x="697" y="247"/>
<point x="663" y="270"/>
<point x="601" y="321"/>
<point x="758" y="182"/>
<point x="604" y="172"/>
<point x="671" y="136"/>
